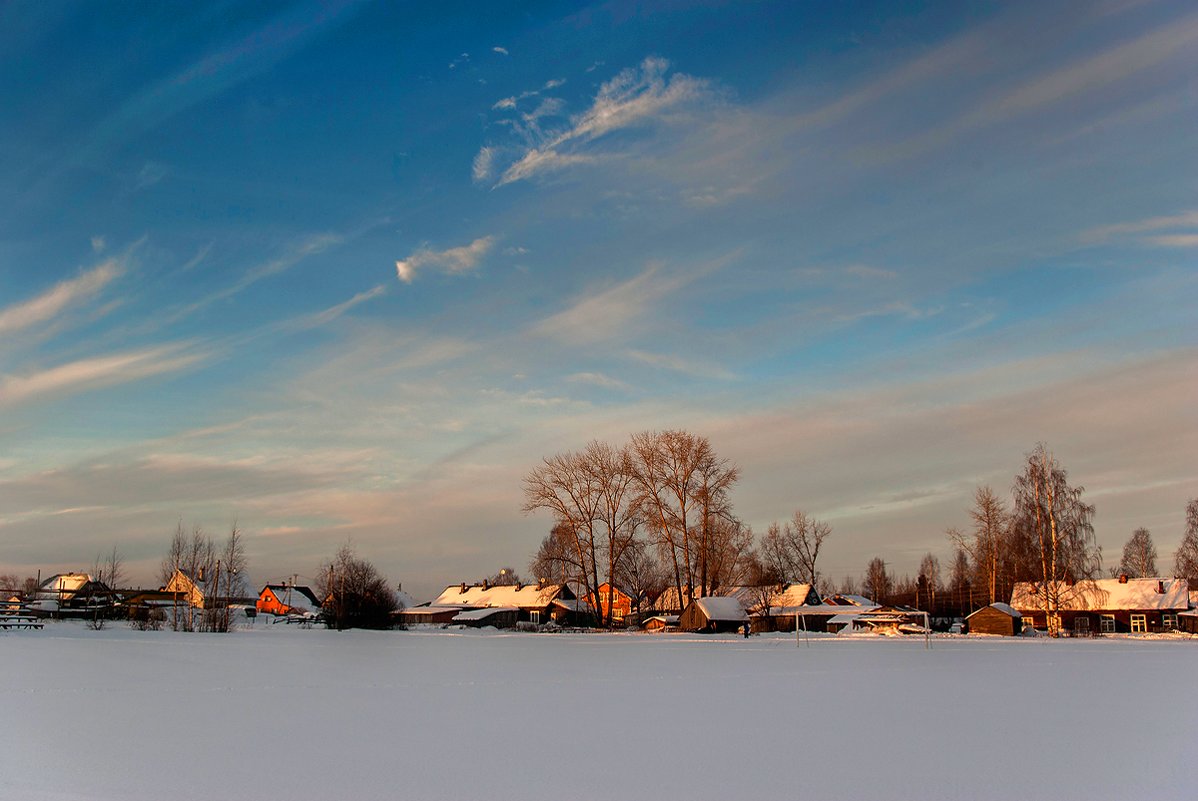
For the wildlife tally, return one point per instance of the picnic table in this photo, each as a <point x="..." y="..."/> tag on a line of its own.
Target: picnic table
<point x="19" y="620"/>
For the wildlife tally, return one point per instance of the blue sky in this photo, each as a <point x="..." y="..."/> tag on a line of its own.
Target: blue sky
<point x="346" y="271"/>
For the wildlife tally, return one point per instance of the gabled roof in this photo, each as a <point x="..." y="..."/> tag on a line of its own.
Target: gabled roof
<point x="525" y="596"/>
<point x="1006" y="609"/>
<point x="302" y="598"/>
<point x="722" y="608"/>
<point x="1109" y="594"/>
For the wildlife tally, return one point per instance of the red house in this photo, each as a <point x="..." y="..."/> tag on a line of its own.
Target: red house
<point x="620" y="601"/>
<point x="285" y="599"/>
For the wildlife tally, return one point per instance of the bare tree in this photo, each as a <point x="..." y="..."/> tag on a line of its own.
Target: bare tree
<point x="877" y="581"/>
<point x="109" y="569"/>
<point x="557" y="560"/>
<point x="564" y="485"/>
<point x="720" y="541"/>
<point x="848" y="586"/>
<point x="356" y="594"/>
<point x="1139" y="556"/>
<point x="504" y="577"/>
<point x="640" y="574"/>
<point x="228" y="582"/>
<point x="792" y="550"/>
<point x="617" y="513"/>
<point x="929" y="580"/>
<point x="1060" y="524"/>
<point x="1186" y="559"/>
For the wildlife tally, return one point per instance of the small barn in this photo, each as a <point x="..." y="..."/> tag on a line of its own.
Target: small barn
<point x="713" y="615"/>
<point x="997" y="618"/>
<point x="660" y="623"/>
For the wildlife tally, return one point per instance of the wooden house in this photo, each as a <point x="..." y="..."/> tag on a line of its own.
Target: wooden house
<point x="660" y="623"/>
<point x="1107" y="606"/>
<point x="1188" y="621"/>
<point x="611" y="596"/>
<point x="187" y="587"/>
<point x="997" y="618"/>
<point x="71" y="595"/>
<point x="287" y="599"/>
<point x="501" y="617"/>
<point x="713" y="615"/>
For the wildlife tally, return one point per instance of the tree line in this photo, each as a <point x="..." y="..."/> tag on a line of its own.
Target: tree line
<point x="655" y="515"/>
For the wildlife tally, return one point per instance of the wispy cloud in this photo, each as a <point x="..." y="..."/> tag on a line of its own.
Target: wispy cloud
<point x="619" y="310"/>
<point x="598" y="380"/>
<point x="500" y="50"/>
<point x="635" y="97"/>
<point x="676" y="364"/>
<point x="481" y="169"/>
<point x="453" y="261"/>
<point x="64" y="294"/>
<point x="333" y="312"/>
<point x="96" y="372"/>
<point x="1184" y="220"/>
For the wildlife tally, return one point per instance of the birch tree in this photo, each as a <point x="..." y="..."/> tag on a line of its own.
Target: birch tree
<point x="1139" y="556"/>
<point x="1185" y="561"/>
<point x="1059" y="524"/>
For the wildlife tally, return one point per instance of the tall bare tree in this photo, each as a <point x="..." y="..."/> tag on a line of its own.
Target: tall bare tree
<point x="613" y="478"/>
<point x="929" y="580"/>
<point x="1185" y="561"/>
<point x="1059" y="523"/>
<point x="792" y="549"/>
<point x="1139" y="556"/>
<point x="640" y="574"/>
<point x="877" y="581"/>
<point x="356" y="594"/>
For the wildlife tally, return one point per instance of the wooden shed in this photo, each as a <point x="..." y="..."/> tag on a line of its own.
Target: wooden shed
<point x="997" y="618"/>
<point x="713" y="615"/>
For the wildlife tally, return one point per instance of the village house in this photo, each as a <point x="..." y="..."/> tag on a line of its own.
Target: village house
<point x="186" y="587"/>
<point x="71" y="594"/>
<point x="620" y="603"/>
<point x="535" y="604"/>
<point x="287" y="599"/>
<point x="997" y="618"/>
<point x="1107" y="606"/>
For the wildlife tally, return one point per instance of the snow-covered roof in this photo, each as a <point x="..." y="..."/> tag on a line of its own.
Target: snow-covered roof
<point x="525" y="596"/>
<point x="721" y="608"/>
<point x="63" y="585"/>
<point x="482" y="614"/>
<point x="849" y="600"/>
<point x="1112" y="594"/>
<point x="1006" y="609"/>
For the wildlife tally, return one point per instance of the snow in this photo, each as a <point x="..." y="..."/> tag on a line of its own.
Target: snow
<point x="1110" y="594"/>
<point x="1006" y="609"/>
<point x="723" y="609"/>
<point x="445" y="714"/>
<point x="525" y="596"/>
<point x="482" y="614"/>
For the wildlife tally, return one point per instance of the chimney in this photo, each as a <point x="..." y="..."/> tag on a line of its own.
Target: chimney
<point x="486" y="585"/>
<point x="463" y="589"/>
<point x="1122" y="578"/>
<point x="1160" y="586"/>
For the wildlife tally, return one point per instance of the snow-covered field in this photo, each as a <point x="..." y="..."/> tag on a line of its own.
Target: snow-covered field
<point x="280" y="712"/>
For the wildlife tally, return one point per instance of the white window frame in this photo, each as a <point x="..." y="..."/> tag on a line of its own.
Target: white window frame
<point x="1139" y="624"/>
<point x="534" y="617"/>
<point x="1106" y="624"/>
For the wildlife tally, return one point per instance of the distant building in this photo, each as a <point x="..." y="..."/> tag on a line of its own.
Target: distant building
<point x="287" y="599"/>
<point x="620" y="601"/>
<point x="997" y="618"/>
<point x="1106" y="606"/>
<point x="535" y="603"/>
<point x="713" y="615"/>
<point x="187" y="587"/>
<point x="71" y="594"/>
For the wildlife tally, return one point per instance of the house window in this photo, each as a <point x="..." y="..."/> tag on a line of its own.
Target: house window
<point x="534" y="617"/>
<point x="1029" y="622"/>
<point x="1139" y="624"/>
<point x="1168" y="622"/>
<point x="1081" y="626"/>
<point x="1106" y="624"/>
